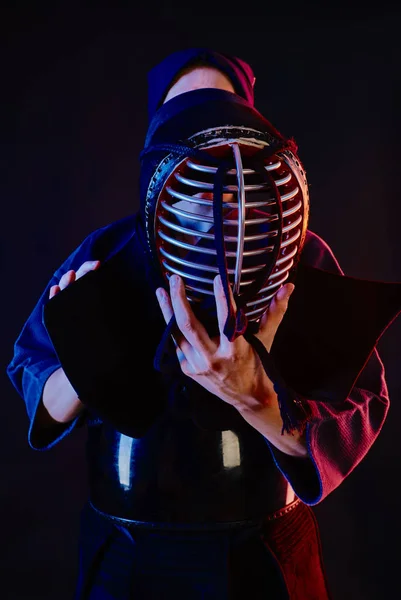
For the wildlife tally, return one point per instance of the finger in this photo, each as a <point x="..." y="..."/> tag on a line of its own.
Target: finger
<point x="191" y="328"/>
<point x="168" y="313"/>
<point x="185" y="365"/>
<point x="66" y="279"/>
<point x="221" y="304"/>
<point x="89" y="265"/>
<point x="284" y="293"/>
<point x="54" y="290"/>
<point x="274" y="315"/>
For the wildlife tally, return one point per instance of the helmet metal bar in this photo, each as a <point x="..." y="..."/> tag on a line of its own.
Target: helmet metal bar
<point x="241" y="218"/>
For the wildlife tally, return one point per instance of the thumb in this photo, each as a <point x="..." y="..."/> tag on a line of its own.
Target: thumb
<point x="284" y="293"/>
<point x="274" y="315"/>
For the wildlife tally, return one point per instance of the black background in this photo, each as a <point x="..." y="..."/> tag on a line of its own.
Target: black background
<point x="74" y="116"/>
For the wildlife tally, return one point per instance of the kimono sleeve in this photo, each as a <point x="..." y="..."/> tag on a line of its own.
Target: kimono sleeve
<point x="338" y="436"/>
<point x="34" y="358"/>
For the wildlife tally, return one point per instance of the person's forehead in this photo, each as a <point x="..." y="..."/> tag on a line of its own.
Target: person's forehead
<point x="195" y="77"/>
<point x="200" y="71"/>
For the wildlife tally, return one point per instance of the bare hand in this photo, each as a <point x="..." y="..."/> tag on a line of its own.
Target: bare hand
<point x="230" y="370"/>
<point x="70" y="276"/>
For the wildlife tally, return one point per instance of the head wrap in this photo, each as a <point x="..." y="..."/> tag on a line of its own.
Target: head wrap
<point x="161" y="77"/>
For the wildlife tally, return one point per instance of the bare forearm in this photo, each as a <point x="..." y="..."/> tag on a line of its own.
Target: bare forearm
<point x="267" y="420"/>
<point x="60" y="402"/>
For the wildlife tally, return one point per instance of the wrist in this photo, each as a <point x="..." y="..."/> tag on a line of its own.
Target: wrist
<point x="266" y="419"/>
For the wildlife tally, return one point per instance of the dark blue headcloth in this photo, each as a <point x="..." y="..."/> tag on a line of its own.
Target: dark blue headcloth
<point x="163" y="74"/>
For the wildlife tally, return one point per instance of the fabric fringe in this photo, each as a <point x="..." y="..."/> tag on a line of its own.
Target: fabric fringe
<point x="294" y="410"/>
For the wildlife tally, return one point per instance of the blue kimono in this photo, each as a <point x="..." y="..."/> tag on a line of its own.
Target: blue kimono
<point x="277" y="553"/>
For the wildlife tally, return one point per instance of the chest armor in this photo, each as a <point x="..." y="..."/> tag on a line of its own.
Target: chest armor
<point x="182" y="473"/>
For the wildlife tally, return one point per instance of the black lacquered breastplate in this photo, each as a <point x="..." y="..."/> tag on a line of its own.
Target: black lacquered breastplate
<point x="180" y="473"/>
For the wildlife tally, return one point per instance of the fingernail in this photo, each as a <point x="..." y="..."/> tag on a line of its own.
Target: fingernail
<point x="285" y="292"/>
<point x="173" y="280"/>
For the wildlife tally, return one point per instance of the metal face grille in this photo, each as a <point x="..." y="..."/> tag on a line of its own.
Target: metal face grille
<point x="184" y="224"/>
